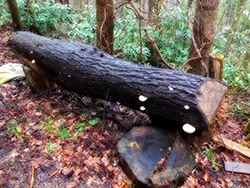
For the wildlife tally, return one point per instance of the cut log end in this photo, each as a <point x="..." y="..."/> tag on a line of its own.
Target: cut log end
<point x="209" y="98"/>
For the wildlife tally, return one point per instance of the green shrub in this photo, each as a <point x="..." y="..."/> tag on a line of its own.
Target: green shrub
<point x="236" y="75"/>
<point x="64" y="133"/>
<point x="173" y="39"/>
<point x="49" y="125"/>
<point x="14" y="130"/>
<point x="5" y="17"/>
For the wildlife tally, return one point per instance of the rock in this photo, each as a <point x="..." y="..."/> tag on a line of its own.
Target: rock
<point x="154" y="157"/>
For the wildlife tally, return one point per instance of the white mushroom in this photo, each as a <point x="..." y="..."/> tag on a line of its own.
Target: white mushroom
<point x="142" y="98"/>
<point x="186" y="107"/>
<point x="142" y="108"/>
<point x="33" y="61"/>
<point x="170" y="88"/>
<point x="188" y="128"/>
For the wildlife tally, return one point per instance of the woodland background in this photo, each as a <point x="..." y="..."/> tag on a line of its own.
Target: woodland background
<point x="168" y="23"/>
<point x="58" y="138"/>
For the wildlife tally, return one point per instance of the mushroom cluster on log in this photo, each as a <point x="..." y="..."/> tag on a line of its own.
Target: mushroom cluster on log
<point x="189" y="99"/>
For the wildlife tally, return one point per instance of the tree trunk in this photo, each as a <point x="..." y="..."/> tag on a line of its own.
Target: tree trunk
<point x="105" y="25"/>
<point x="174" y="95"/>
<point x="240" y="5"/>
<point x="16" y="19"/>
<point x="64" y="2"/>
<point x="204" y="31"/>
<point x="151" y="9"/>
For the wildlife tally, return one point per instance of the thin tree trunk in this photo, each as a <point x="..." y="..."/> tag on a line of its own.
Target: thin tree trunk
<point x="151" y="9"/>
<point x="16" y="19"/>
<point x="234" y="26"/>
<point x="64" y="1"/>
<point x="81" y="5"/>
<point x="105" y="25"/>
<point x="204" y="31"/>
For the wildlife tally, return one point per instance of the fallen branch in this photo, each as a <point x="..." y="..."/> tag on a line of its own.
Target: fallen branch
<point x="150" y="38"/>
<point x="32" y="177"/>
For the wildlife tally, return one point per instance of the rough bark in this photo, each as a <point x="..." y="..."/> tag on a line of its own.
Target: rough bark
<point x="64" y="1"/>
<point x="204" y="31"/>
<point x="16" y="19"/>
<point x="105" y="25"/>
<point x="174" y="95"/>
<point x="151" y="8"/>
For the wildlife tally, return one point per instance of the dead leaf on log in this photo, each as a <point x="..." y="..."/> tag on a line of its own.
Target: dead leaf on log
<point x="132" y="144"/>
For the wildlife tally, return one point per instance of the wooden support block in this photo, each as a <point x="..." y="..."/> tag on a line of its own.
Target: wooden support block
<point x="222" y="140"/>
<point x="237" y="167"/>
<point x="37" y="79"/>
<point x="154" y="157"/>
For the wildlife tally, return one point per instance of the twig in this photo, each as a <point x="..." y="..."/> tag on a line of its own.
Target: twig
<point x="139" y="14"/>
<point x="101" y="28"/>
<point x="152" y="41"/>
<point x="55" y="173"/>
<point x="140" y="32"/>
<point x="150" y="38"/>
<point x="118" y="54"/>
<point x="32" y="177"/>
<point x="121" y="5"/>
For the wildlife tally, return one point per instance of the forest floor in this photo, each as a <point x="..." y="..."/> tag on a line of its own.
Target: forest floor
<point x="60" y="139"/>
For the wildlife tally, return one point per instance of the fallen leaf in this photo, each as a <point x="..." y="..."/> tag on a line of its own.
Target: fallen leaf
<point x="70" y="185"/>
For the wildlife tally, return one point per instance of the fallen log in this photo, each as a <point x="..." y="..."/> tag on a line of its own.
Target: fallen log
<point x="189" y="99"/>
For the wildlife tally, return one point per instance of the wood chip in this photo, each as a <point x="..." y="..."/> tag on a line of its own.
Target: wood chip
<point x="229" y="144"/>
<point x="32" y="177"/>
<point x="136" y="145"/>
<point x="237" y="167"/>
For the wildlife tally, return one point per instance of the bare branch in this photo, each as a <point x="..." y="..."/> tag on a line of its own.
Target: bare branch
<point x="150" y="38"/>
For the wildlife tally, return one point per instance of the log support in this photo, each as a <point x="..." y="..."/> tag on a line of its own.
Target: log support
<point x="37" y="79"/>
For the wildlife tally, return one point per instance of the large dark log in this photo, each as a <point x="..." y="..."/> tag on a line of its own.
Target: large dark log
<point x="175" y="95"/>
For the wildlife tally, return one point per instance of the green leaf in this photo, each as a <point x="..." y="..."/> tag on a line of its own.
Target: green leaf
<point x="93" y="122"/>
<point x="64" y="133"/>
<point x="80" y="127"/>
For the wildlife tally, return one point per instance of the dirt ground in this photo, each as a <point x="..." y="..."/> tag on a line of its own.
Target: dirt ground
<point x="84" y="153"/>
